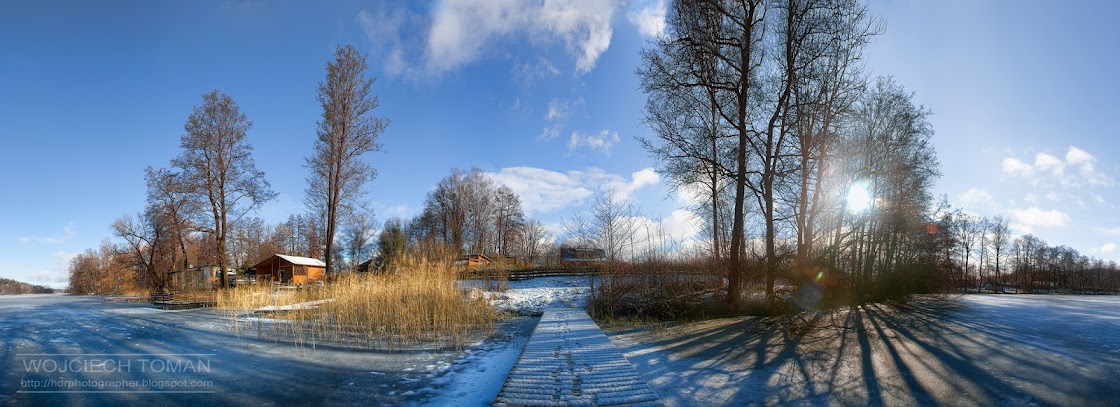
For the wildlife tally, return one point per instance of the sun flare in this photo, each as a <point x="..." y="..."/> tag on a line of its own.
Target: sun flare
<point x="859" y="199"/>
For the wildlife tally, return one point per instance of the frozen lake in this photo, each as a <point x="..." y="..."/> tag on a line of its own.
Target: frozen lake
<point x="971" y="350"/>
<point x="67" y="350"/>
<point x="975" y="350"/>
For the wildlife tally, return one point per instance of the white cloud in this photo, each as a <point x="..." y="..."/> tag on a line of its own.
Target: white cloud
<point x="692" y="195"/>
<point x="977" y="198"/>
<point x="681" y="224"/>
<point x="1076" y="169"/>
<point x="541" y="190"/>
<point x="527" y="74"/>
<point x="1047" y="162"/>
<point x="1013" y="166"/>
<point x="391" y="31"/>
<point x="1026" y="220"/>
<point x="676" y="233"/>
<point x="557" y="109"/>
<point x="1086" y="164"/>
<point x="649" y="18"/>
<point x="68" y="232"/>
<point x="462" y="30"/>
<point x="602" y="141"/>
<point x="56" y="276"/>
<point x="550" y="132"/>
<point x="621" y="190"/>
<point x="1108" y="248"/>
<point x="1078" y="157"/>
<point x="1114" y="231"/>
<point x="544" y="191"/>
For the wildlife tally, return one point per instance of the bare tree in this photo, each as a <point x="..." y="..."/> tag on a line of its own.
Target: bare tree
<point x="509" y="220"/>
<point x="169" y="195"/>
<point x="347" y="131"/>
<point x="1001" y="236"/>
<point x="968" y="234"/>
<point x="612" y="225"/>
<point x="358" y="236"/>
<point x="535" y="239"/>
<point x="218" y="167"/>
<point x="147" y="245"/>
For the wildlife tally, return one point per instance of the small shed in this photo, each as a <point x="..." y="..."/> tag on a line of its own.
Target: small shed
<point x="372" y="265"/>
<point x="291" y="269"/>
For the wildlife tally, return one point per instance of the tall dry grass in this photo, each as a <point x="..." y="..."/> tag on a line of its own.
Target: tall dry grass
<point x="420" y="306"/>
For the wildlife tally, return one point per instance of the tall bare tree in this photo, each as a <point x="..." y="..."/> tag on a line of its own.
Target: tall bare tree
<point x="612" y="225"/>
<point x="1001" y="237"/>
<point x="218" y="167"/>
<point x="509" y="220"/>
<point x="535" y="239"/>
<point x="347" y="131"/>
<point x="148" y="246"/>
<point x="358" y="237"/>
<point x="168" y="194"/>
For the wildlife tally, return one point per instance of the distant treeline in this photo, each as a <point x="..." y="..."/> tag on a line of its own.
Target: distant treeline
<point x="11" y="287"/>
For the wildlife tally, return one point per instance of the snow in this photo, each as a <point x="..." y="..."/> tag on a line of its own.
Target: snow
<point x="580" y="365"/>
<point x="289" y="307"/>
<point x="476" y="378"/>
<point x="531" y="297"/>
<point x="971" y="350"/>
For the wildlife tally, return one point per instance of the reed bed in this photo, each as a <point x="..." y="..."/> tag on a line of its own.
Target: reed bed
<point x="421" y="306"/>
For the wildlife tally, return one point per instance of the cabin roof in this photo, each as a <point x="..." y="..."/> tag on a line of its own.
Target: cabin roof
<point x="302" y="261"/>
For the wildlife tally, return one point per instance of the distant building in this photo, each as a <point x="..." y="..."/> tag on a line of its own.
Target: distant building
<point x="577" y="255"/>
<point x="290" y="269"/>
<point x="371" y="265"/>
<point x="202" y="277"/>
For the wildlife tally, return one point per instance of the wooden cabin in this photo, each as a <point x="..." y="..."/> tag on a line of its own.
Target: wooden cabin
<point x="291" y="269"/>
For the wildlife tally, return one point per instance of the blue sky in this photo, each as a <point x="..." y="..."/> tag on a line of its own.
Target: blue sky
<point x="540" y="95"/>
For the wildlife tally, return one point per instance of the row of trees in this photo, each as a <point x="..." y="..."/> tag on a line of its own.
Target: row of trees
<point x="203" y="202"/>
<point x="985" y="256"/>
<point x="762" y="106"/>
<point x="468" y="213"/>
<point x="11" y="287"/>
<point x="810" y="169"/>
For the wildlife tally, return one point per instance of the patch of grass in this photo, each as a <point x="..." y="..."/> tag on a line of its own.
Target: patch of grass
<point x="421" y="305"/>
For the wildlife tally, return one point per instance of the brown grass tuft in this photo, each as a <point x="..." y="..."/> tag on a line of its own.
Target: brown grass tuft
<point x="422" y="305"/>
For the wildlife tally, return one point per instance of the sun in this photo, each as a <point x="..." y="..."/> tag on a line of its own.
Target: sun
<point x="858" y="199"/>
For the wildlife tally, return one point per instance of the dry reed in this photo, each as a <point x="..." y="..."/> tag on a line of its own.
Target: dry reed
<point x="420" y="306"/>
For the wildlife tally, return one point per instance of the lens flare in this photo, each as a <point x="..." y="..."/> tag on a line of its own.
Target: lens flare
<point x="859" y="198"/>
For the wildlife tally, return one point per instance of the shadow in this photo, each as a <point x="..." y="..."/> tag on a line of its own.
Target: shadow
<point x="933" y="352"/>
<point x="79" y="351"/>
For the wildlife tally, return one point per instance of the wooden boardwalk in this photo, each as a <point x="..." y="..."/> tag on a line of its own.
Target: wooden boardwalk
<point x="568" y="361"/>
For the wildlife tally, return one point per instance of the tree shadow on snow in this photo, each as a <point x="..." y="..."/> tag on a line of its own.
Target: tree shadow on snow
<point x="934" y="352"/>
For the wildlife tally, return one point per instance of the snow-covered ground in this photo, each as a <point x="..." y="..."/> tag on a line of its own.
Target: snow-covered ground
<point x="976" y="350"/>
<point x="476" y="378"/>
<point x="973" y="350"/>
<point x="531" y="297"/>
